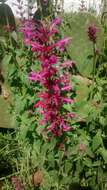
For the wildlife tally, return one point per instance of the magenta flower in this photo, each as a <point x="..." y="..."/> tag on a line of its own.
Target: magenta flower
<point x="66" y="88"/>
<point x="28" y="29"/>
<point x="55" y="22"/>
<point x="53" y="59"/>
<point x="67" y="100"/>
<point x="34" y="76"/>
<point x="67" y="64"/>
<point x="52" y="76"/>
<point x="59" y="126"/>
<point x="62" y="43"/>
<point x="66" y="128"/>
<point x="36" y="46"/>
<point x="92" y="33"/>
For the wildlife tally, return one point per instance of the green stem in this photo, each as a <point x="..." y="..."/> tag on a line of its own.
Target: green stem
<point x="94" y="61"/>
<point x="94" y="70"/>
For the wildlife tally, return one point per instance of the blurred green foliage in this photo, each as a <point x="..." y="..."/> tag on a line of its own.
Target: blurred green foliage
<point x="80" y="50"/>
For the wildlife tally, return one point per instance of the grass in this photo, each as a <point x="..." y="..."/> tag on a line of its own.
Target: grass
<point x="4" y="115"/>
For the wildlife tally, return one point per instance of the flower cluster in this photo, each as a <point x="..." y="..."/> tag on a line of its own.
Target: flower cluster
<point x="53" y="76"/>
<point x="92" y="33"/>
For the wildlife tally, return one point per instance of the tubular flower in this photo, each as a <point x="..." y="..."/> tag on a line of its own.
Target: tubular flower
<point x="53" y="76"/>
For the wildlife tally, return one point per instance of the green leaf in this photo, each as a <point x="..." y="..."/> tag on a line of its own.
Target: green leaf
<point x="23" y="132"/>
<point x="51" y="160"/>
<point x="96" y="163"/>
<point x="40" y="129"/>
<point x="6" y="60"/>
<point x="79" y="167"/>
<point x="66" y="180"/>
<point x="82" y="89"/>
<point x="2" y="41"/>
<point x="97" y="141"/>
<point x="87" y="162"/>
<point x="14" y="36"/>
<point x="89" y="152"/>
<point x="54" y="175"/>
<point x="83" y="109"/>
<point x="88" y="173"/>
<point x="68" y="166"/>
<point x="67" y="107"/>
<point x="103" y="153"/>
<point x="73" y="151"/>
<point x="12" y="70"/>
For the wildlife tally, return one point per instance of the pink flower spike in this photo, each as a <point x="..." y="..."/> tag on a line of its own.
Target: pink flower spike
<point x="53" y="78"/>
<point x="92" y="33"/>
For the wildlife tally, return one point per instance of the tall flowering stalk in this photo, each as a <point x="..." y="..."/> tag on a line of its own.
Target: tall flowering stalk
<point x="92" y="34"/>
<point x="53" y="75"/>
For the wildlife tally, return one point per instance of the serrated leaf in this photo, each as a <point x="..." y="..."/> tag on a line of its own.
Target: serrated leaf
<point x="97" y="163"/>
<point x="6" y="60"/>
<point x="97" y="141"/>
<point x="67" y="107"/>
<point x="83" y="109"/>
<point x="88" y="162"/>
<point x="103" y="153"/>
<point x="66" y="180"/>
<point x="89" y="152"/>
<point x="51" y="160"/>
<point x="12" y="70"/>
<point x="68" y="166"/>
<point x="14" y="36"/>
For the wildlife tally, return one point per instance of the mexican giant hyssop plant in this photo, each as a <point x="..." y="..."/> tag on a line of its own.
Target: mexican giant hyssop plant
<point x="53" y="76"/>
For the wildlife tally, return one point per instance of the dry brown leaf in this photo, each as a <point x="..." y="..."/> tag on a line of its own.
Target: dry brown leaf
<point x="38" y="178"/>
